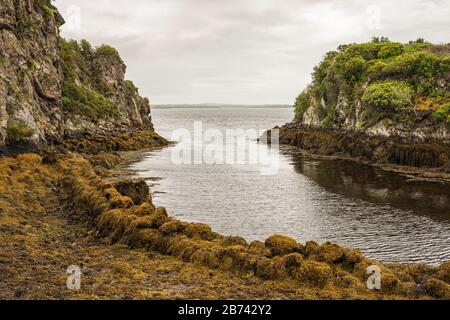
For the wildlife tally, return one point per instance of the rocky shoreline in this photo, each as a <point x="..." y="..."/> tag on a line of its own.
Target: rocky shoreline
<point x="432" y="157"/>
<point x="122" y="213"/>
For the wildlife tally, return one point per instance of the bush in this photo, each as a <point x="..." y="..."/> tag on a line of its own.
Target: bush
<point x="442" y="113"/>
<point x="86" y="48"/>
<point x="45" y="5"/>
<point x="106" y="50"/>
<point x="415" y="64"/>
<point x="84" y="101"/>
<point x="391" y="49"/>
<point x="388" y="95"/>
<point x="18" y="131"/>
<point x="302" y="103"/>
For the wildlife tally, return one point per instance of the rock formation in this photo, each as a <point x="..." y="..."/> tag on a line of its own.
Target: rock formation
<point x="51" y="89"/>
<point x="381" y="88"/>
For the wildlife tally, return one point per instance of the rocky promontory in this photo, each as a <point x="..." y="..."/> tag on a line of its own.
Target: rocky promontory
<point x="382" y="101"/>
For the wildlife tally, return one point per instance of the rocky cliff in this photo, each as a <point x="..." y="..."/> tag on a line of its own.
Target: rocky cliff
<point x="381" y="88"/>
<point x="30" y="73"/>
<point x="96" y="97"/>
<point x="51" y="89"/>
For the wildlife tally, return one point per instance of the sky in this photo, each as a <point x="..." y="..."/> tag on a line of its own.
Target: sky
<point x="241" y="51"/>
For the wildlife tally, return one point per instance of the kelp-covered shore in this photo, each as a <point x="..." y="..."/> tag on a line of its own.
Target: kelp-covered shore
<point x="61" y="208"/>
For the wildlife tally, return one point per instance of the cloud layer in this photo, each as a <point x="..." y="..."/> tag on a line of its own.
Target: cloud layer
<point x="241" y="51"/>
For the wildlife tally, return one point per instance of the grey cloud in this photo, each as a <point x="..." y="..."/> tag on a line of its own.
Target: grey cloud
<point x="242" y="51"/>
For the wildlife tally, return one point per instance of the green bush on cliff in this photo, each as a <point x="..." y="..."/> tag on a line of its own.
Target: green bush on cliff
<point x="389" y="95"/>
<point x="387" y="76"/>
<point x="84" y="101"/>
<point x="18" y="131"/>
<point x="391" y="49"/>
<point x="302" y="103"/>
<point x="45" y="5"/>
<point x="83" y="92"/>
<point x="106" y="50"/>
<point x="442" y="113"/>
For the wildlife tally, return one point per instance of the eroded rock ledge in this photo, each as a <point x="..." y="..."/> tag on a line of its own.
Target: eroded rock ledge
<point x="375" y="149"/>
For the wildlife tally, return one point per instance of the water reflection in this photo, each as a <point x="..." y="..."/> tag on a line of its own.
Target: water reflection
<point x="376" y="185"/>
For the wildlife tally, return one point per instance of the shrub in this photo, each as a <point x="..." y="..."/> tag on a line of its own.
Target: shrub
<point x="321" y="71"/>
<point x="87" y="102"/>
<point x="18" y="131"/>
<point x="388" y="95"/>
<point x="86" y="48"/>
<point x="376" y="70"/>
<point x="391" y="49"/>
<point x="46" y="6"/>
<point x="415" y="64"/>
<point x="302" y="103"/>
<point x="442" y="113"/>
<point x="106" y="50"/>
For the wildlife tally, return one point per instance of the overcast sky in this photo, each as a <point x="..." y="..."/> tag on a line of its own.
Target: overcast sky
<point x="241" y="51"/>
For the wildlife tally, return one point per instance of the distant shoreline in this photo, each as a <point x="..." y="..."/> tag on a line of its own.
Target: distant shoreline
<point x="218" y="105"/>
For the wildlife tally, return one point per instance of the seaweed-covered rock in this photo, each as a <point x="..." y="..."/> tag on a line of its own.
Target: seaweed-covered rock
<point x="292" y="263"/>
<point x="199" y="231"/>
<point x="280" y="245"/>
<point x="259" y="248"/>
<point x="330" y="253"/>
<point x="234" y="241"/>
<point x="437" y="288"/>
<point x="443" y="272"/>
<point x="137" y="190"/>
<point x="315" y="273"/>
<point x="173" y="227"/>
<point x="271" y="269"/>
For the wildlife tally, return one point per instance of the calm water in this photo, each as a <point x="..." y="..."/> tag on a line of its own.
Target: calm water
<point x="389" y="217"/>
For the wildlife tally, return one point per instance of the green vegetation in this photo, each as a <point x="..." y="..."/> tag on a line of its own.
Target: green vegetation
<point x="18" y="131"/>
<point x="106" y="50"/>
<point x="442" y="113"/>
<point x="390" y="78"/>
<point x="46" y="6"/>
<point x="82" y="100"/>
<point x="83" y="92"/>
<point x="302" y="102"/>
<point x="389" y="95"/>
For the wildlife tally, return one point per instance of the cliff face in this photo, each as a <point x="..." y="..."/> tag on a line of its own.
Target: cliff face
<point x="381" y="88"/>
<point x="30" y="74"/>
<point x="96" y="97"/>
<point x="51" y="89"/>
